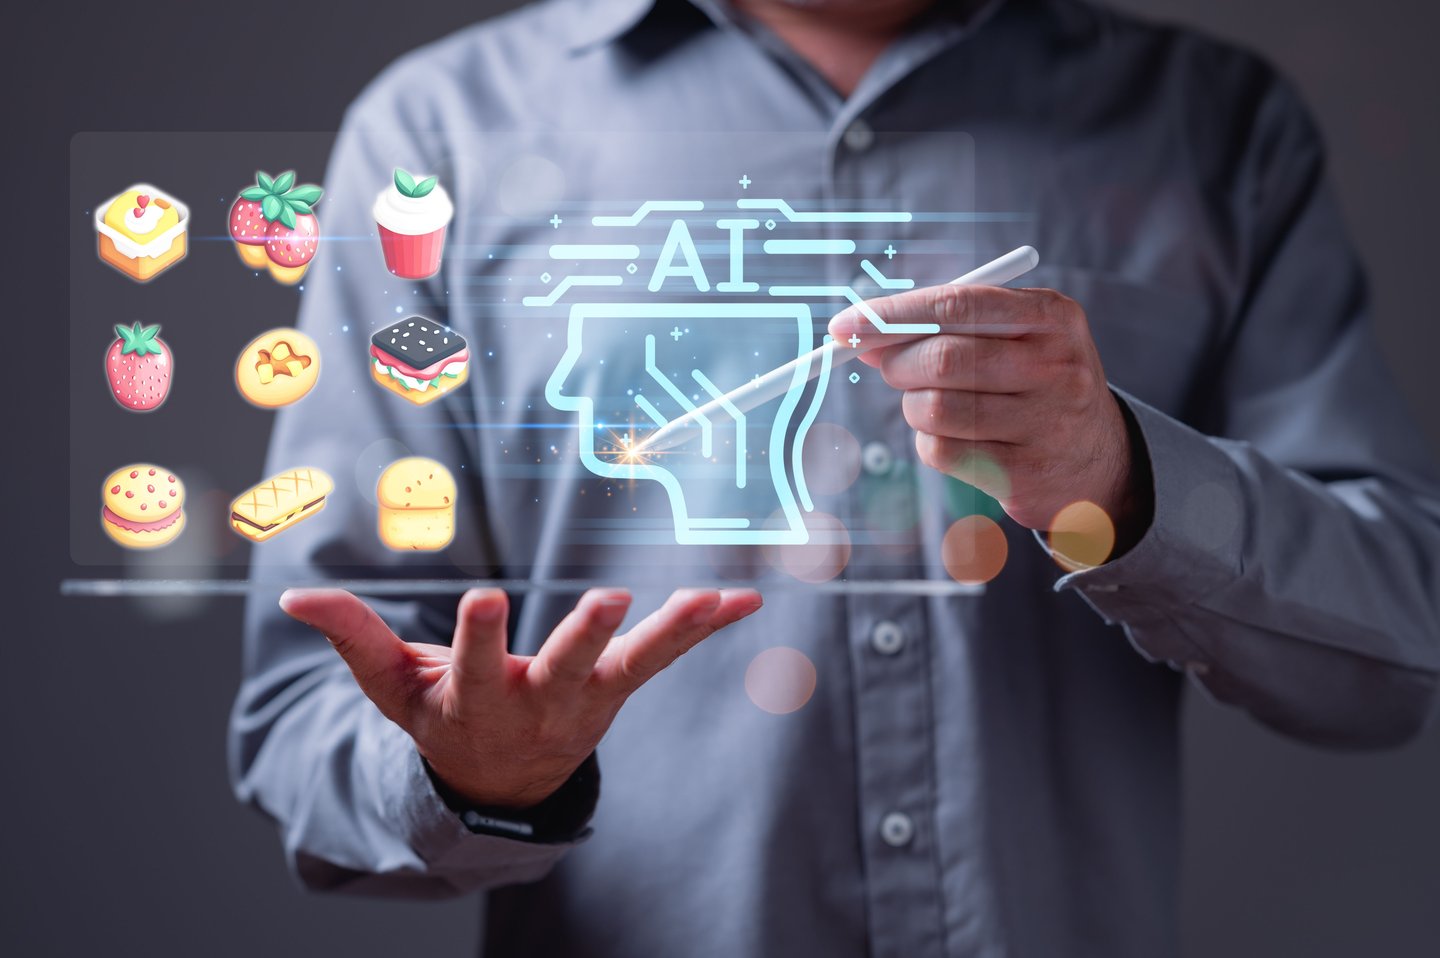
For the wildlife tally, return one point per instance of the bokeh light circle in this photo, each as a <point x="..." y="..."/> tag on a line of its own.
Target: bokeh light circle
<point x="891" y="502"/>
<point x="831" y="459"/>
<point x="965" y="499"/>
<point x="822" y="558"/>
<point x="1211" y="515"/>
<point x="982" y="472"/>
<point x="780" y="680"/>
<point x="531" y="186"/>
<point x="1082" y="536"/>
<point x="974" y="549"/>
<point x="372" y="461"/>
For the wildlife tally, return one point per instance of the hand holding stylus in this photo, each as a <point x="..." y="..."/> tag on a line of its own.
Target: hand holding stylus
<point x="1013" y="381"/>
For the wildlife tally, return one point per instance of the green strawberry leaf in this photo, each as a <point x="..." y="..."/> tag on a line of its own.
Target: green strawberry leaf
<point x="299" y="206"/>
<point x="309" y="193"/>
<point x="263" y="180"/>
<point x="271" y="206"/>
<point x="284" y="181"/>
<point x="287" y="216"/>
<point x="404" y="182"/>
<point x="424" y="187"/>
<point x="138" y="340"/>
<point x="253" y="193"/>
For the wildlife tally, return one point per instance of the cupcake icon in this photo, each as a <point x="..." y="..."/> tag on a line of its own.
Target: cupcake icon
<point x="412" y="216"/>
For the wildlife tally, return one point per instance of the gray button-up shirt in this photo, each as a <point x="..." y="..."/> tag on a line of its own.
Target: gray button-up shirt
<point x="974" y="775"/>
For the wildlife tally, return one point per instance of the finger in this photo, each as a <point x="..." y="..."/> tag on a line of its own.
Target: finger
<point x="956" y="414"/>
<point x="568" y="657"/>
<point x="974" y="363"/>
<point x="976" y="310"/>
<point x="380" y="660"/>
<point x="984" y="465"/>
<point x="688" y="617"/>
<point x="480" y="636"/>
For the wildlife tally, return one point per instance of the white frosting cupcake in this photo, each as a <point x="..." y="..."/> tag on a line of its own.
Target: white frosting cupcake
<point x="413" y="216"/>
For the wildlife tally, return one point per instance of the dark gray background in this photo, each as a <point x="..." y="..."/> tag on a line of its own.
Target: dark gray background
<point x="120" y="835"/>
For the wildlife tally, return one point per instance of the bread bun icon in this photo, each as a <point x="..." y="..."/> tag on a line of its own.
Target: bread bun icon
<point x="417" y="505"/>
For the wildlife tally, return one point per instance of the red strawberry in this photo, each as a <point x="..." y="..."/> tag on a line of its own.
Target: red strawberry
<point x="273" y="224"/>
<point x="293" y="246"/>
<point x="138" y="366"/>
<point x="247" y="223"/>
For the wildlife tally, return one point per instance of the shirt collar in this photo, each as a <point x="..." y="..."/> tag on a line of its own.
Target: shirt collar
<point x="592" y="23"/>
<point x="596" y="22"/>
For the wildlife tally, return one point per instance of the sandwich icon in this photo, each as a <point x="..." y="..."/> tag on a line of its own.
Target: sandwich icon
<point x="417" y="505"/>
<point x="279" y="502"/>
<point x="419" y="359"/>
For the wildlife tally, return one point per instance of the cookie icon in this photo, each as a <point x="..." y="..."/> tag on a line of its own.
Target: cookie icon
<point x="144" y="506"/>
<point x="277" y="368"/>
<point x="417" y="505"/>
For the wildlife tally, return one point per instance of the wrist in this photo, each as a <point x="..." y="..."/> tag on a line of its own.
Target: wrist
<point x="517" y="793"/>
<point x="560" y="816"/>
<point x="1132" y="504"/>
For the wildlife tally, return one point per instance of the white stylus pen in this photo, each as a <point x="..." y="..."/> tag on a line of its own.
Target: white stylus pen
<point x="777" y="382"/>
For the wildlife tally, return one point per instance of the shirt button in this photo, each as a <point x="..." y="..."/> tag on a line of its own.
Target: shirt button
<point x="876" y="458"/>
<point x="887" y="638"/>
<point x="896" y="829"/>
<point x="859" y="136"/>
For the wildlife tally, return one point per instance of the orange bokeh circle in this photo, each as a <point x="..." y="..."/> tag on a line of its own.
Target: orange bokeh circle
<point x="974" y="549"/>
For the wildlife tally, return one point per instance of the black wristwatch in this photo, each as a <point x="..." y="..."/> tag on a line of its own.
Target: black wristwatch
<point x="562" y="818"/>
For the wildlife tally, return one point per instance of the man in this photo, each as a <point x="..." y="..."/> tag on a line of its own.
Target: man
<point x="992" y="775"/>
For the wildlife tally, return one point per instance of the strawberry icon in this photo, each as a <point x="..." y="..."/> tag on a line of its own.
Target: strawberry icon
<point x="273" y="225"/>
<point x="139" y="366"/>
<point x="291" y="247"/>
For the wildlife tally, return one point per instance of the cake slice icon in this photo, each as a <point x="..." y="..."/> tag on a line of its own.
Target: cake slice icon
<point x="142" y="231"/>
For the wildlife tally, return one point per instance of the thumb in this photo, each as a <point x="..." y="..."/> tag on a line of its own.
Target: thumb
<point x="379" y="659"/>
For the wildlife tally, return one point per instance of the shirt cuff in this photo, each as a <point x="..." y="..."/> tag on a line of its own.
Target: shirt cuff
<point x="440" y="837"/>
<point x="1191" y="548"/>
<point x="562" y="817"/>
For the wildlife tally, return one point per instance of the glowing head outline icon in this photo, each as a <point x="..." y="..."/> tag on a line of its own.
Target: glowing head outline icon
<point x="638" y="329"/>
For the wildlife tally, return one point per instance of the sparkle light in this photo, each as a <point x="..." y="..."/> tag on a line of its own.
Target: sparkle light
<point x="627" y="447"/>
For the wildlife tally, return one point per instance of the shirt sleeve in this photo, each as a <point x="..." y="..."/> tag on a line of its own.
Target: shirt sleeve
<point x="353" y="801"/>
<point x="1292" y="566"/>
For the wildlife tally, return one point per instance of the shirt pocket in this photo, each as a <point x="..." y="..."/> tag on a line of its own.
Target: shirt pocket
<point x="1155" y="341"/>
